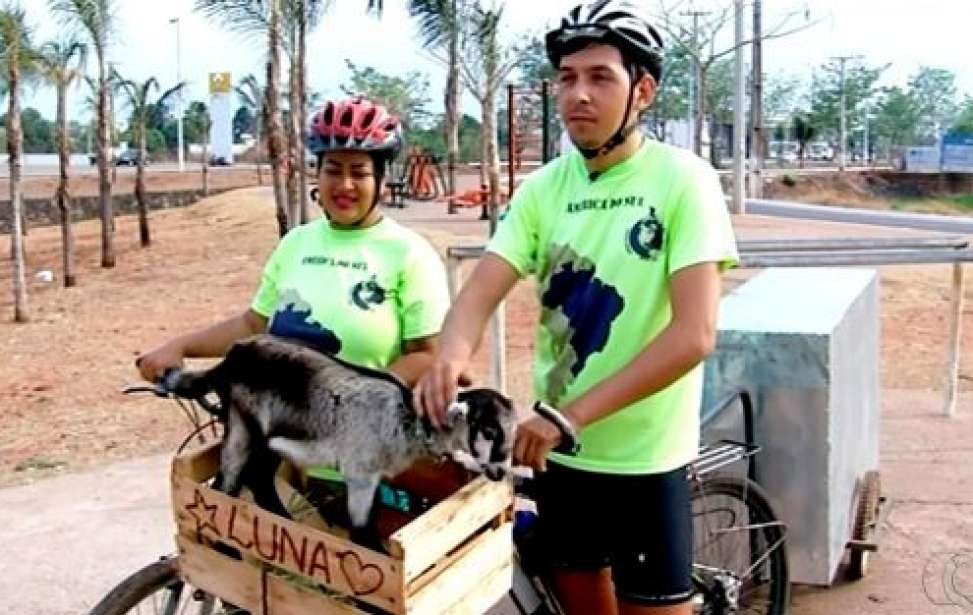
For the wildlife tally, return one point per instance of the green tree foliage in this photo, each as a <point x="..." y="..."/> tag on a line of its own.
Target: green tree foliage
<point x="430" y="138"/>
<point x="38" y="131"/>
<point x="534" y="66"/>
<point x="860" y="86"/>
<point x="964" y="121"/>
<point x="405" y="96"/>
<point x="896" y="118"/>
<point x="933" y="91"/>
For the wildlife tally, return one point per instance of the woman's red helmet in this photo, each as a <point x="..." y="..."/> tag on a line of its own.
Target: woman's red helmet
<point x="355" y="124"/>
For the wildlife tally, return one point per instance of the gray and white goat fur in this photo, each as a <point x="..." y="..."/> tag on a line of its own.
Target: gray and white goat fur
<point x="283" y="398"/>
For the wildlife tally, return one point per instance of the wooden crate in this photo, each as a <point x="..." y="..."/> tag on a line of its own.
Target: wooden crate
<point x="455" y="558"/>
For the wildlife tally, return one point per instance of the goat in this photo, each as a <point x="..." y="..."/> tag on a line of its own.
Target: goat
<point x="281" y="398"/>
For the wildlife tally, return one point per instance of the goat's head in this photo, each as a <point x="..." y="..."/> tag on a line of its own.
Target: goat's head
<point x="490" y="419"/>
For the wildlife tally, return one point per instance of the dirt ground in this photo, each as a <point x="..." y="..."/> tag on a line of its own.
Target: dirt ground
<point x="61" y="409"/>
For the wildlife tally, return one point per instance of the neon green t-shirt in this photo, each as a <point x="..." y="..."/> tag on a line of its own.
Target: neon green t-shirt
<point x="603" y="252"/>
<point x="357" y="294"/>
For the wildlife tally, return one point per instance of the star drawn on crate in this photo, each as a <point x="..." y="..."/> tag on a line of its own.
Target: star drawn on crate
<point x="203" y="513"/>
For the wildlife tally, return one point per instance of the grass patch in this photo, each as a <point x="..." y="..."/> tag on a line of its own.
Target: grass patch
<point x="38" y="463"/>
<point x="963" y="200"/>
<point x="961" y="204"/>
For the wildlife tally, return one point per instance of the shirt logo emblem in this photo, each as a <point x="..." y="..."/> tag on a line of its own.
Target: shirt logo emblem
<point x="645" y="237"/>
<point x="368" y="294"/>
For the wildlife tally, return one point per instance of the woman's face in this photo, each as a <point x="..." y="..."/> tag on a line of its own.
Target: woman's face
<point x="347" y="188"/>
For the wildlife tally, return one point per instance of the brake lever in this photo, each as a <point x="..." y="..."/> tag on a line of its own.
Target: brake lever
<point x="160" y="388"/>
<point x="569" y="444"/>
<point x="155" y="389"/>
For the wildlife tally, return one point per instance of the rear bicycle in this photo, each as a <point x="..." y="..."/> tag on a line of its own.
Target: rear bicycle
<point x="739" y="544"/>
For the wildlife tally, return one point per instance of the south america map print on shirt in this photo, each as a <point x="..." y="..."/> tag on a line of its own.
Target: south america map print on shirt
<point x="293" y="319"/>
<point x="577" y="310"/>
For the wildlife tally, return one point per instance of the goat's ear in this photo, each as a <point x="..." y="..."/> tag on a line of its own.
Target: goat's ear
<point x="457" y="410"/>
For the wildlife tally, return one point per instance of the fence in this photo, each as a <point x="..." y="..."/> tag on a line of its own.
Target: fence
<point x="796" y="253"/>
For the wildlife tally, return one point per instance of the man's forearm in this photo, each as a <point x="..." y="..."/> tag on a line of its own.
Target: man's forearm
<point x="676" y="351"/>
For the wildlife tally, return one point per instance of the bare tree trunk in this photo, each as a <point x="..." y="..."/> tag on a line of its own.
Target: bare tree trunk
<point x="700" y="118"/>
<point x="758" y="141"/>
<point x="259" y="147"/>
<point x="144" y="239"/>
<point x="63" y="195"/>
<point x="302" y="111"/>
<point x="104" y="170"/>
<point x="294" y="156"/>
<point x="484" y="160"/>
<point x="205" y="166"/>
<point x="275" y="145"/>
<point x="452" y="109"/>
<point x="15" y="159"/>
<point x="493" y="152"/>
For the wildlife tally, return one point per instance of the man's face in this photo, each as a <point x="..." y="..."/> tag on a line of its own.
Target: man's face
<point x="593" y="87"/>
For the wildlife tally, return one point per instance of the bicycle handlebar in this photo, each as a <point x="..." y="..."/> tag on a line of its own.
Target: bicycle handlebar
<point x="165" y="387"/>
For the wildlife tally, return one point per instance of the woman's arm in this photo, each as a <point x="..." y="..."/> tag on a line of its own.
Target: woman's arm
<point x="212" y="341"/>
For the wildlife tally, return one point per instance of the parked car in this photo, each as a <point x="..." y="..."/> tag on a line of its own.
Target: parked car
<point x="219" y="161"/>
<point x="820" y="151"/>
<point x="129" y="158"/>
<point x="784" y="151"/>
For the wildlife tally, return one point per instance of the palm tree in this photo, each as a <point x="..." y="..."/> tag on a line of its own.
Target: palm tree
<point x="251" y="97"/>
<point x="440" y="26"/>
<point x="96" y="18"/>
<point x="299" y="17"/>
<point x="17" y="54"/>
<point x="62" y="63"/>
<point x="139" y="100"/>
<point x="249" y="17"/>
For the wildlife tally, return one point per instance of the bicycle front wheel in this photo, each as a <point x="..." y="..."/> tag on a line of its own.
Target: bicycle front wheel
<point x="157" y="589"/>
<point x="739" y="552"/>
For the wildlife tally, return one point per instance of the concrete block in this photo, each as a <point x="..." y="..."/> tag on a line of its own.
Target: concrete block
<point x="805" y="342"/>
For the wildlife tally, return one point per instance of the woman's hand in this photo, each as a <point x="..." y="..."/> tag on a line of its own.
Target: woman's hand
<point x="153" y="364"/>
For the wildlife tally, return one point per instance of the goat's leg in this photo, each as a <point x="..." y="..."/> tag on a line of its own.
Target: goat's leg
<point x="258" y="476"/>
<point x="362" y="489"/>
<point x="234" y="454"/>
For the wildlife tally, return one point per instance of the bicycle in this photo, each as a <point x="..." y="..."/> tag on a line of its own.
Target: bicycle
<point x="740" y="558"/>
<point x="749" y="575"/>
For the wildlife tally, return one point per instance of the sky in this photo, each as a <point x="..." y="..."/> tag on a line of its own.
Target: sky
<point x="905" y="33"/>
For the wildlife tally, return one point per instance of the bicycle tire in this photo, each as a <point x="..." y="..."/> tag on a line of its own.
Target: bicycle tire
<point x="157" y="577"/>
<point x="767" y="595"/>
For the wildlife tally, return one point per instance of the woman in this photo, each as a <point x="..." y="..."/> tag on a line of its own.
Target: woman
<point x="353" y="283"/>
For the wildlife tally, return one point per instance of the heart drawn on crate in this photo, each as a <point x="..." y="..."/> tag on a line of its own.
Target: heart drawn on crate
<point x="362" y="578"/>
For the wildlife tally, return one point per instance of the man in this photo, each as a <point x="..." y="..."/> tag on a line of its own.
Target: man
<point x="627" y="238"/>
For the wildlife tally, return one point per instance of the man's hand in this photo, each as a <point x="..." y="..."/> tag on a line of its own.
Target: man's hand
<point x="535" y="438"/>
<point x="436" y="390"/>
<point x="153" y="364"/>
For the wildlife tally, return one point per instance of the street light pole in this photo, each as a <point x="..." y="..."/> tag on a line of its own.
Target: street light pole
<point x="843" y="131"/>
<point x="179" y="109"/>
<point x="739" y="194"/>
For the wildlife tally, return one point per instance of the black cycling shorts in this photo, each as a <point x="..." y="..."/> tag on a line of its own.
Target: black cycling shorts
<point x="638" y="525"/>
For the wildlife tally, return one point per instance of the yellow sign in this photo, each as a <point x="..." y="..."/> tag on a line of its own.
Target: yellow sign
<point x="220" y="83"/>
